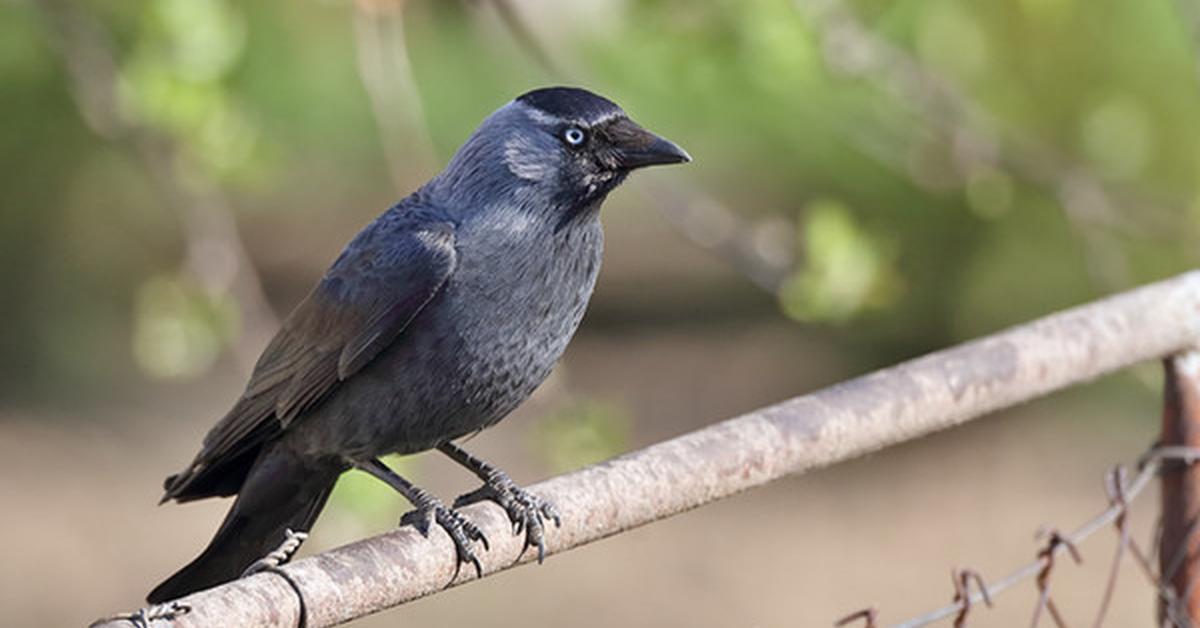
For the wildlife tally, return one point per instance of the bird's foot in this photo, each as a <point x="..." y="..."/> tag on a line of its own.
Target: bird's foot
<point x="526" y="511"/>
<point x="462" y="532"/>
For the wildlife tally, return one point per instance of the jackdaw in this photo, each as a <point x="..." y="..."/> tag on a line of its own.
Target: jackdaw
<point x="437" y="320"/>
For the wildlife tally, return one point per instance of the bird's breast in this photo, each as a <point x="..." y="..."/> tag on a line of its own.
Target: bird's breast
<point x="479" y="348"/>
<point x="496" y="330"/>
<point x="517" y="306"/>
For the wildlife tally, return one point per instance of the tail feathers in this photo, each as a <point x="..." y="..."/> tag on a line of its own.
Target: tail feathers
<point x="220" y="472"/>
<point x="282" y="491"/>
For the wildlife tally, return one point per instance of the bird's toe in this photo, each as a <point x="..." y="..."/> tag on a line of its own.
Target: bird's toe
<point x="463" y="533"/>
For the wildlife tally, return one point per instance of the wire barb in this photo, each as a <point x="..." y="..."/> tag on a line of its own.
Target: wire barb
<point x="1122" y="490"/>
<point x="962" y="579"/>
<point x="145" y="617"/>
<point x="1046" y="556"/>
<point x="869" y="615"/>
<point x="1114" y="482"/>
<point x="272" y="562"/>
<point x="280" y="555"/>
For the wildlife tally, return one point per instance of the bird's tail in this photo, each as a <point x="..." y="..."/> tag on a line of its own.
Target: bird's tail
<point x="282" y="491"/>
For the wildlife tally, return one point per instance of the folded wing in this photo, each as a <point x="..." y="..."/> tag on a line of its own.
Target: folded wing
<point x="368" y="297"/>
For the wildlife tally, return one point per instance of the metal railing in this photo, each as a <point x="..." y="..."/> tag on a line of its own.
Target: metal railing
<point x="864" y="414"/>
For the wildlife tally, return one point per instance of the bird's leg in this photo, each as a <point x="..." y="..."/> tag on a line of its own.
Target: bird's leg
<point x="428" y="509"/>
<point x="526" y="510"/>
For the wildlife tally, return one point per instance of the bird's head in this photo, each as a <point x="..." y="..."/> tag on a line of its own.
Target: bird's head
<point x="563" y="148"/>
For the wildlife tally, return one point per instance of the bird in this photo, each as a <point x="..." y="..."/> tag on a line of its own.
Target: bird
<point x="436" y="321"/>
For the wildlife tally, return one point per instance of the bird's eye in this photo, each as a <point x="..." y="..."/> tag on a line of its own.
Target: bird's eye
<point x="574" y="136"/>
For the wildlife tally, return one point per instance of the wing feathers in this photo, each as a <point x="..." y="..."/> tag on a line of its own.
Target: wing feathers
<point x="365" y="301"/>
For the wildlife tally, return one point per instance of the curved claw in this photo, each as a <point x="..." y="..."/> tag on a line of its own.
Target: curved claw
<point x="526" y="511"/>
<point x="549" y="511"/>
<point x="462" y="533"/>
<point x="473" y="532"/>
<point x="462" y="550"/>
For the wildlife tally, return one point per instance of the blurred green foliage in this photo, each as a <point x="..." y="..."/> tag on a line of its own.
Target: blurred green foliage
<point x="179" y="330"/>
<point x="581" y="433"/>
<point x="902" y="231"/>
<point x="364" y="502"/>
<point x="1105" y="87"/>
<point x="174" y="77"/>
<point x="847" y="269"/>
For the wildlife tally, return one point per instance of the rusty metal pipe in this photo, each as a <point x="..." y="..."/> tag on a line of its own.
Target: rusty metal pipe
<point x="889" y="406"/>
<point x="1179" y="549"/>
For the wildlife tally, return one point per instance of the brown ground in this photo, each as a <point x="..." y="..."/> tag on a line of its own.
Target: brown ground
<point x="82" y="535"/>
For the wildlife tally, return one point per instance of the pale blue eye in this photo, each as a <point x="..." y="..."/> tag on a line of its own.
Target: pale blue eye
<point x="574" y="136"/>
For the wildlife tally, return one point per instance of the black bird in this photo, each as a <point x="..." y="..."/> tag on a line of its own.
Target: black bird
<point x="437" y="320"/>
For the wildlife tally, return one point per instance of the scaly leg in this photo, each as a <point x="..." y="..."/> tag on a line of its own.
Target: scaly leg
<point x="429" y="509"/>
<point x="526" y="510"/>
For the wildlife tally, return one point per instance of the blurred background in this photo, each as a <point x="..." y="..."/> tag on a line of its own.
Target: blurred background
<point x="872" y="180"/>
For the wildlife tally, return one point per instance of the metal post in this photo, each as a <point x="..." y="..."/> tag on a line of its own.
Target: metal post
<point x="1179" y="552"/>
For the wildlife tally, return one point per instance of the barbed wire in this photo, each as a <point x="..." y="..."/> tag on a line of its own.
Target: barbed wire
<point x="1122" y="492"/>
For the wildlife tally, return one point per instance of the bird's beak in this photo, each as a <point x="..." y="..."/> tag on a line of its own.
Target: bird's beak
<point x="636" y="147"/>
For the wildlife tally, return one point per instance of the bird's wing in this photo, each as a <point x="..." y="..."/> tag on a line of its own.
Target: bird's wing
<point x="367" y="298"/>
<point x="361" y="305"/>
